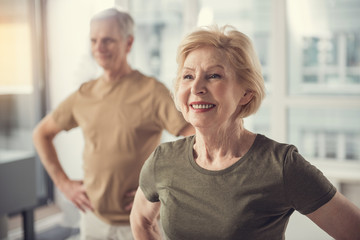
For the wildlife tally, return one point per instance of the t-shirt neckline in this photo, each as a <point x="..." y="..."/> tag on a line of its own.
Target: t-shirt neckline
<point x="222" y="171"/>
<point x="122" y="79"/>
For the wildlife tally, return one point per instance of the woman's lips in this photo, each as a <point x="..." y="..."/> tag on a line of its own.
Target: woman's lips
<point x="202" y="106"/>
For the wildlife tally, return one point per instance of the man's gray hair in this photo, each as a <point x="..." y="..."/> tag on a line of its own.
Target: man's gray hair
<point x="125" y="21"/>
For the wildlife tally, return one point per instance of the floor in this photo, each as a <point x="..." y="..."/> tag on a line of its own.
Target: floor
<point x="15" y="222"/>
<point x="50" y="223"/>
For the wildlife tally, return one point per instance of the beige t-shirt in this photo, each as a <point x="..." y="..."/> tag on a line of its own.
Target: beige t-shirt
<point x="122" y="123"/>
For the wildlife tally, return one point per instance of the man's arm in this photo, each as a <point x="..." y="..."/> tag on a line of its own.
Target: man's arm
<point x="143" y="218"/>
<point x="339" y="218"/>
<point x="43" y="136"/>
<point x="187" y="130"/>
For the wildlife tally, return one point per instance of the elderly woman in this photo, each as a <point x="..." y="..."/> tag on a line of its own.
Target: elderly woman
<point x="227" y="182"/>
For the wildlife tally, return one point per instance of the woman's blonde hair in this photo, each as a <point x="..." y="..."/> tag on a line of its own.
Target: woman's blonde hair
<point x="240" y="53"/>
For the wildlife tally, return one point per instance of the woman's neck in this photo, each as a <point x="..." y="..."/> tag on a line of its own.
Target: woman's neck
<point x="221" y="148"/>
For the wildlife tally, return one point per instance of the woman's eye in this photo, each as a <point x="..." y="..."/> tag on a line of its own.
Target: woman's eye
<point x="187" y="77"/>
<point x="214" y="75"/>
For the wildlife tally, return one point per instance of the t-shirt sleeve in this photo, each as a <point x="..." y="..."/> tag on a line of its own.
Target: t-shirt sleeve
<point x="306" y="187"/>
<point x="170" y="117"/>
<point x="147" y="179"/>
<point x="63" y="114"/>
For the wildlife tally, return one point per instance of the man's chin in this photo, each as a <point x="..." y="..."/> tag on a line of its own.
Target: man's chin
<point x="104" y="65"/>
<point x="102" y="60"/>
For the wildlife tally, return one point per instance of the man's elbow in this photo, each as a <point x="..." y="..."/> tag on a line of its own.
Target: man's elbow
<point x="188" y="130"/>
<point x="37" y="134"/>
<point x="45" y="130"/>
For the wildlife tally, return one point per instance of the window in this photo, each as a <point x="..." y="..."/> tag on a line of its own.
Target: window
<point x="352" y="146"/>
<point x="326" y="134"/>
<point x="324" y="47"/>
<point x="324" y="69"/>
<point x="21" y="86"/>
<point x="159" y="28"/>
<point x="16" y="84"/>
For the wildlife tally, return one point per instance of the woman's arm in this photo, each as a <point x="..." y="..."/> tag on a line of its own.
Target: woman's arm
<point x="339" y="218"/>
<point x="143" y="218"/>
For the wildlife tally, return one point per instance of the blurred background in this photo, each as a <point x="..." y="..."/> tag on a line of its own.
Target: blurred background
<point x="310" y="56"/>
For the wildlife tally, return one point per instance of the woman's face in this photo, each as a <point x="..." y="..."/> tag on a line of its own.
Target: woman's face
<point x="209" y="94"/>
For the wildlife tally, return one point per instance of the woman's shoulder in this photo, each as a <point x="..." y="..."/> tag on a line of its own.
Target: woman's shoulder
<point x="173" y="150"/>
<point x="264" y="145"/>
<point x="171" y="155"/>
<point x="174" y="147"/>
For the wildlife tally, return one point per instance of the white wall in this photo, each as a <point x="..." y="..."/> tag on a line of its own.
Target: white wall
<point x="70" y="64"/>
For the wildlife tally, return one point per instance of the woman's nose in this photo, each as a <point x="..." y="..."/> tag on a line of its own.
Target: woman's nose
<point x="199" y="86"/>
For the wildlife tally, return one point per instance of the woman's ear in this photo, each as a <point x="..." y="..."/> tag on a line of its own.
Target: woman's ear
<point x="246" y="98"/>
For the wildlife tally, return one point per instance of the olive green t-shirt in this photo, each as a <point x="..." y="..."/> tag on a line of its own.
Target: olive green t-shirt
<point x="122" y="123"/>
<point x="252" y="199"/>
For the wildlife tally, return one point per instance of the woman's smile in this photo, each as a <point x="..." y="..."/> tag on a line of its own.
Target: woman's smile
<point x="202" y="106"/>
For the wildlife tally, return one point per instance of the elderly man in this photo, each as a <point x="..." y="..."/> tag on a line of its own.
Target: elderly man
<point x="122" y="115"/>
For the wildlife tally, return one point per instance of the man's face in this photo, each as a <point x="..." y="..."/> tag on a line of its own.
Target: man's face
<point x="108" y="45"/>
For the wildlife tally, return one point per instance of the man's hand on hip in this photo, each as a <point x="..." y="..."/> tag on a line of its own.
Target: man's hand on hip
<point x="76" y="193"/>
